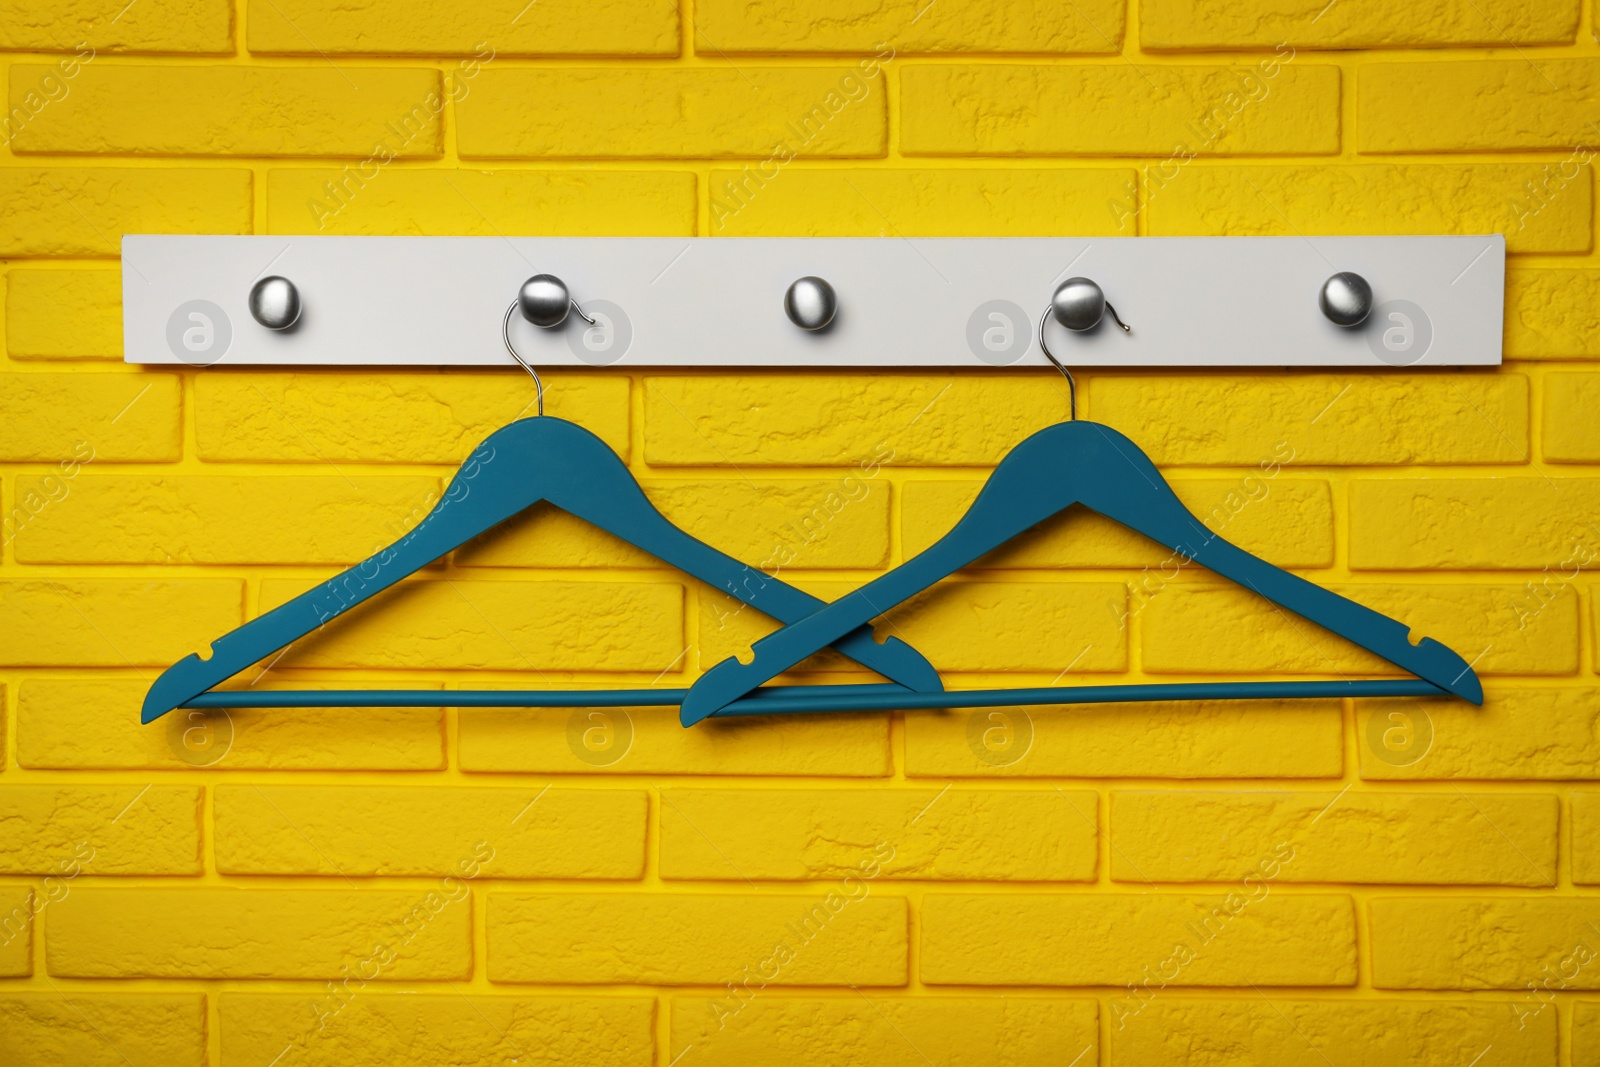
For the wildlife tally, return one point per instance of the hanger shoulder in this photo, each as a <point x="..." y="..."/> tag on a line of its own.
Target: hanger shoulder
<point x="1360" y="625"/>
<point x="480" y="495"/>
<point x="1379" y="634"/>
<point x="1153" y="509"/>
<point x="625" y="510"/>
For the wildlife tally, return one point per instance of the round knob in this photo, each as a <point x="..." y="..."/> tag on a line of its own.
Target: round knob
<point x="810" y="303"/>
<point x="275" y="303"/>
<point x="1346" y="299"/>
<point x="1078" y="304"/>
<point x="544" y="300"/>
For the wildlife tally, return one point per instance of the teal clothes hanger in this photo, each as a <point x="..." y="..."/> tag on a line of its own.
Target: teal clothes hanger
<point x="1093" y="465"/>
<point x="542" y="458"/>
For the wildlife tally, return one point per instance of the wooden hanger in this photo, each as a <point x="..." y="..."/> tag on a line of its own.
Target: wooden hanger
<point x="1091" y="464"/>
<point x="542" y="458"/>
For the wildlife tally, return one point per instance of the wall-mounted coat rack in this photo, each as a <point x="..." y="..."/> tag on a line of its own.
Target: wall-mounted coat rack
<point x="816" y="302"/>
<point x="1260" y="301"/>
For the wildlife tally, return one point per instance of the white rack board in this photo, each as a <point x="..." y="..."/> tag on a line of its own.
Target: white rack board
<point x="903" y="302"/>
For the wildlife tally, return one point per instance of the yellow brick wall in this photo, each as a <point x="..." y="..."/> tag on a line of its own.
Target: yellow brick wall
<point x="1221" y="884"/>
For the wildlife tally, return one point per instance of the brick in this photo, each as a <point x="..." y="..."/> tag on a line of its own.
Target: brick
<point x="1226" y="629"/>
<point x="651" y="741"/>
<point x="964" y="626"/>
<point x="717" y="112"/>
<point x="840" y="521"/>
<point x="99" y="830"/>
<point x="1551" y="313"/>
<point x="836" y="935"/>
<point x="809" y="834"/>
<point x="1586" y="838"/>
<point x="363" y="200"/>
<point x="1482" y="942"/>
<point x="1021" y="109"/>
<point x="531" y="832"/>
<point x="406" y="934"/>
<point x="1230" y="938"/>
<point x="69" y="420"/>
<point x="64" y="314"/>
<point x="1288" y="521"/>
<point x="1291" y="24"/>
<point x="106" y="622"/>
<point x="70" y="724"/>
<point x="423" y="1029"/>
<point x="405" y="27"/>
<point x="1338" y="836"/>
<point x="18" y="906"/>
<point x="846" y="26"/>
<point x="85" y="211"/>
<point x="491" y="625"/>
<point x="236" y="110"/>
<point x="155" y="518"/>
<point x="1524" y="734"/>
<point x="1379" y="198"/>
<point x="1267" y="1031"/>
<point x="102" y="1029"/>
<point x="927" y="202"/>
<point x="158" y="26"/>
<point x="1477" y="105"/>
<point x="1585" y="1043"/>
<point x="1568" y="433"/>
<point x="1475" y="523"/>
<point x="786" y="420"/>
<point x="891" y="1031"/>
<point x="1194" y="739"/>
<point x="396" y="417"/>
<point x="1319" y="419"/>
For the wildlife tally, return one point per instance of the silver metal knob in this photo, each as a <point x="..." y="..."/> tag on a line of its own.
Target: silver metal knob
<point x="275" y="303"/>
<point x="810" y="303"/>
<point x="1346" y="299"/>
<point x="544" y="300"/>
<point x="1079" y="305"/>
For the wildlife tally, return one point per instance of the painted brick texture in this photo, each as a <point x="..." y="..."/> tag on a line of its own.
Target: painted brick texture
<point x="1220" y="884"/>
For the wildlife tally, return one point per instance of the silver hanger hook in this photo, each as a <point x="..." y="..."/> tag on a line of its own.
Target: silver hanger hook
<point x="505" y="335"/>
<point x="1072" y="386"/>
<point x="544" y="301"/>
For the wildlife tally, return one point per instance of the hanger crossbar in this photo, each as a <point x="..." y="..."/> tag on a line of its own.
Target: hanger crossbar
<point x="797" y="699"/>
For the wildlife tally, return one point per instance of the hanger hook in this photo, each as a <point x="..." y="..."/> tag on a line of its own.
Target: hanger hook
<point x="1072" y="386"/>
<point x="505" y="335"/>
